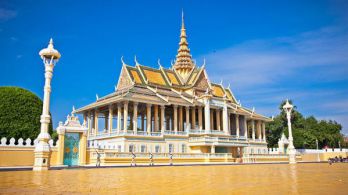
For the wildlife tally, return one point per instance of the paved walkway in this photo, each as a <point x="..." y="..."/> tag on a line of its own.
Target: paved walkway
<point x="24" y="168"/>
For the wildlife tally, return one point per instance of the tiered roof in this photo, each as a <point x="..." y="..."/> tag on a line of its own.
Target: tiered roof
<point x="163" y="86"/>
<point x="183" y="63"/>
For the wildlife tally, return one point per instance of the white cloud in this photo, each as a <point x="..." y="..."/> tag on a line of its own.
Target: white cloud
<point x="14" y="38"/>
<point x="6" y="14"/>
<point x="305" y="67"/>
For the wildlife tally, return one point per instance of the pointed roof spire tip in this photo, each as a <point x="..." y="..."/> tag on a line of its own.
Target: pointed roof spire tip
<point x="182" y="19"/>
<point x="183" y="58"/>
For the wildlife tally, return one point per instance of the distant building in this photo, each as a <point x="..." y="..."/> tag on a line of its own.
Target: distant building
<point x="175" y="110"/>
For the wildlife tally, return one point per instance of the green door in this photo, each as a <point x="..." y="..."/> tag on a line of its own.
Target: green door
<point x="71" y="149"/>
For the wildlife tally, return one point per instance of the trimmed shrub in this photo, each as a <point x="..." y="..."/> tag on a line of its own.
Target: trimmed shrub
<point x="20" y="112"/>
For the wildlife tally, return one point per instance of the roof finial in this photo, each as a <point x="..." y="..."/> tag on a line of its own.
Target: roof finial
<point x="159" y="63"/>
<point x="135" y="59"/>
<point x="122" y="60"/>
<point x="73" y="110"/>
<point x="51" y="42"/>
<point x="182" y="19"/>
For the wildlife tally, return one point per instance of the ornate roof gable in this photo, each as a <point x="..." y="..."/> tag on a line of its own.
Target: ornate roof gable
<point x="202" y="82"/>
<point x="124" y="80"/>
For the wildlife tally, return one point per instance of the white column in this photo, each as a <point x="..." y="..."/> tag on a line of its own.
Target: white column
<point x="181" y="120"/>
<point x="89" y="123"/>
<point x="106" y="123"/>
<point x="245" y="128"/>
<point x="200" y="118"/>
<point x="110" y="118"/>
<point x="148" y="118"/>
<point x="264" y="131"/>
<point x="162" y="118"/>
<point x="125" y="116"/>
<point x="119" y="111"/>
<point x="253" y="129"/>
<point x="212" y="149"/>
<point x="175" y="109"/>
<point x="207" y="115"/>
<point x="259" y="130"/>
<point x="237" y="125"/>
<point x="156" y="118"/>
<point x="218" y="120"/>
<point x="193" y="117"/>
<point x="212" y="120"/>
<point x="225" y="119"/>
<point x="85" y="118"/>
<point x="96" y="116"/>
<point x="135" y="117"/>
<point x="187" y="120"/>
<point x="229" y="123"/>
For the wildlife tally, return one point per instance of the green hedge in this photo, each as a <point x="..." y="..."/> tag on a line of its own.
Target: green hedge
<point x="20" y="112"/>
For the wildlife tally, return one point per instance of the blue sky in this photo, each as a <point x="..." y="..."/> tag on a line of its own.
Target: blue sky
<point x="267" y="50"/>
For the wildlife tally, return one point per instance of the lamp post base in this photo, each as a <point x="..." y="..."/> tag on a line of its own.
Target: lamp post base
<point x="42" y="156"/>
<point x="292" y="156"/>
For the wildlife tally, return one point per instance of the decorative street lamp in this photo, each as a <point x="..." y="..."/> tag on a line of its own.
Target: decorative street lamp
<point x="50" y="57"/>
<point x="292" y="152"/>
<point x="316" y="141"/>
<point x="339" y="145"/>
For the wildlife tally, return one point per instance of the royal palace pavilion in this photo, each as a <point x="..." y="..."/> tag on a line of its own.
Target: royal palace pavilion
<point x="175" y="110"/>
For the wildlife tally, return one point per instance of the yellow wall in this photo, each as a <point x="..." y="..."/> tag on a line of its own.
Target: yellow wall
<point x="199" y="149"/>
<point x="21" y="156"/>
<point x="322" y="156"/>
<point x="10" y="156"/>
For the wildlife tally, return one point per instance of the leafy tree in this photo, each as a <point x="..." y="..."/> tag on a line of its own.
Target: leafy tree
<point x="20" y="112"/>
<point x="305" y="130"/>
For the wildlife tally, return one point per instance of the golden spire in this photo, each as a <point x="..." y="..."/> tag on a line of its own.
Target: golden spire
<point x="183" y="63"/>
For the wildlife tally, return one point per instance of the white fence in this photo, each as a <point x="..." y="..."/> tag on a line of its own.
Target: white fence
<point x="314" y="151"/>
<point x="308" y="151"/>
<point x="21" y="143"/>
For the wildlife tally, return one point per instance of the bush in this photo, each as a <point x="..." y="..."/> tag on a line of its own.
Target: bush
<point x="20" y="112"/>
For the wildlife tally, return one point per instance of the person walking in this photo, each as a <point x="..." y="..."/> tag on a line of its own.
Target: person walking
<point x="98" y="159"/>
<point x="170" y="158"/>
<point x="133" y="159"/>
<point x="151" y="159"/>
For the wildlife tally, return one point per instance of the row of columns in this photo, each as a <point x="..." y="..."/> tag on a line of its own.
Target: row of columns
<point x="259" y="128"/>
<point x="178" y="124"/>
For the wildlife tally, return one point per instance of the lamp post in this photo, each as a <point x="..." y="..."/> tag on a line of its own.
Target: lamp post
<point x="316" y="141"/>
<point x="50" y="57"/>
<point x="292" y="152"/>
<point x="339" y="145"/>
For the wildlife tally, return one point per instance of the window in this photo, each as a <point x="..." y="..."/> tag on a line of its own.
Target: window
<point x="157" y="149"/>
<point x="171" y="147"/>
<point x="143" y="148"/>
<point x="183" y="148"/>
<point x="119" y="148"/>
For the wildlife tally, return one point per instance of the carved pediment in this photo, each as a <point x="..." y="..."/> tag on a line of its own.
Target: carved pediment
<point x="124" y="80"/>
<point x="202" y="82"/>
